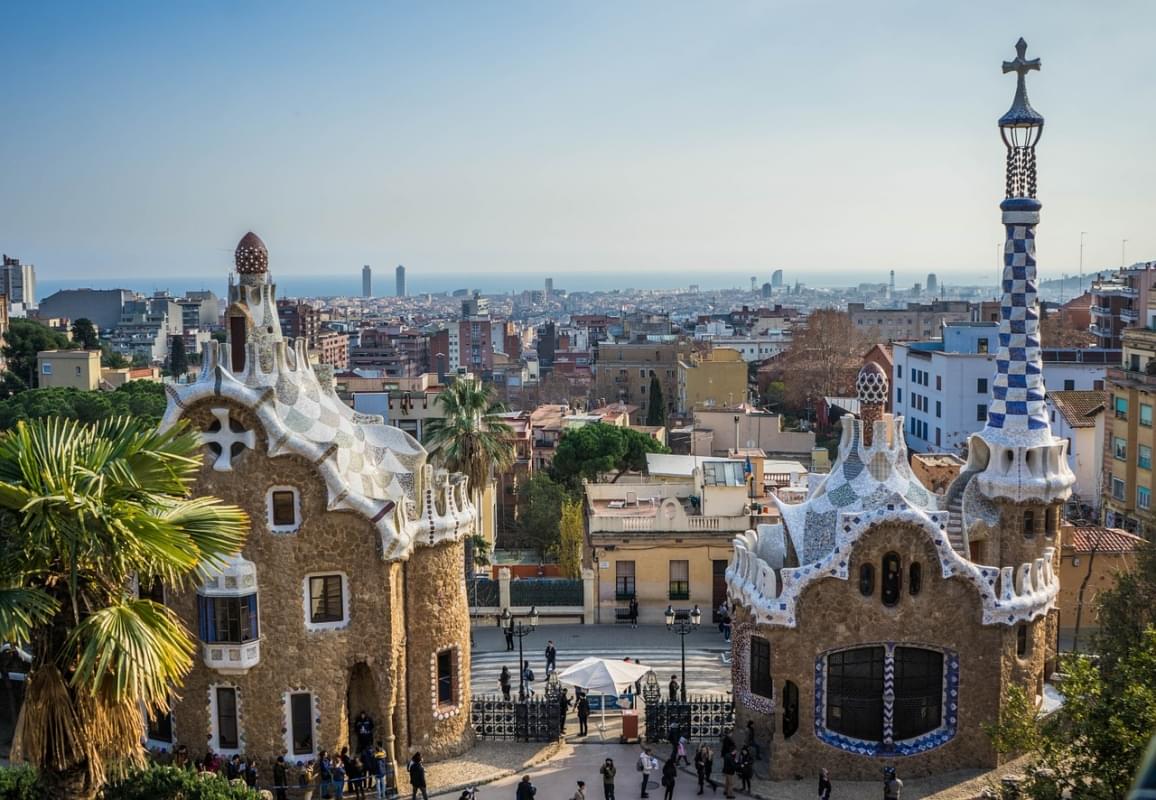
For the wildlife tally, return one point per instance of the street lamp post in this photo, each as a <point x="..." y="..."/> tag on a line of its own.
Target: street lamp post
<point x="683" y="623"/>
<point x="521" y="631"/>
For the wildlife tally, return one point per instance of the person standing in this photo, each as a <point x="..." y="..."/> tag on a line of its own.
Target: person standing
<point x="750" y="740"/>
<point x="563" y="709"/>
<point x="325" y="769"/>
<point x="746" y="768"/>
<point x="504" y="683"/>
<point x="824" y="785"/>
<point x="669" y="773"/>
<point x="528" y="679"/>
<point x="379" y="770"/>
<point x="580" y="792"/>
<point x="730" y="768"/>
<point x="647" y="764"/>
<point x="583" y="713"/>
<point x="526" y="790"/>
<point x="726" y="626"/>
<point x="551" y="657"/>
<point x="280" y="779"/>
<point x="417" y="777"/>
<point x="703" y="765"/>
<point x="891" y="784"/>
<point x="357" y="777"/>
<point x="607" y="771"/>
<point x="673" y="688"/>
<point x="364" y="729"/>
<point x="338" y="772"/>
<point x="509" y="632"/>
<point x="633" y="611"/>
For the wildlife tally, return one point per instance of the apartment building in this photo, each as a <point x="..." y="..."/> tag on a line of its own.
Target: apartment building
<point x="1120" y="302"/>
<point x="714" y="379"/>
<point x="1128" y="437"/>
<point x="915" y="322"/>
<point x="622" y="371"/>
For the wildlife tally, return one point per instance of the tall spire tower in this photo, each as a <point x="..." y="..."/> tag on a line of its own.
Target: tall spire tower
<point x="1024" y="461"/>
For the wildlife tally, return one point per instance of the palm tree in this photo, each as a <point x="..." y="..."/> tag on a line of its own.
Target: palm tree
<point x="85" y="510"/>
<point x="470" y="437"/>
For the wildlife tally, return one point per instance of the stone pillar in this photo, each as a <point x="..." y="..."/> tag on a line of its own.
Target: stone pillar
<point x="588" y="599"/>
<point x="503" y="588"/>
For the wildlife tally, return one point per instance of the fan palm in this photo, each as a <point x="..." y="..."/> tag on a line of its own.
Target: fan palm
<point x="470" y="437"/>
<point x="85" y="510"/>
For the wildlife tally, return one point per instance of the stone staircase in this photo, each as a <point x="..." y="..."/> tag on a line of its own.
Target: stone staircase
<point x="955" y="524"/>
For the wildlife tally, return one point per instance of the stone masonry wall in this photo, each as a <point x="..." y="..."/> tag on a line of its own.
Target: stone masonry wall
<point x="832" y="614"/>
<point x="437" y="618"/>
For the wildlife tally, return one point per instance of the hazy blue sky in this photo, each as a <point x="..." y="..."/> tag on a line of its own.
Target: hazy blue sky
<point x="146" y="138"/>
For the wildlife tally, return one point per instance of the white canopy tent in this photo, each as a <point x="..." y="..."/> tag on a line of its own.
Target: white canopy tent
<point x="603" y="676"/>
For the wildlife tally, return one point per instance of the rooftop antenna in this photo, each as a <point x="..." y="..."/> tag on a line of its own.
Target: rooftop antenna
<point x="1082" y="235"/>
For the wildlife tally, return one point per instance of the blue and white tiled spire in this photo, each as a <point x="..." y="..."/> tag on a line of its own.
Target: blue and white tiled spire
<point x="1021" y="458"/>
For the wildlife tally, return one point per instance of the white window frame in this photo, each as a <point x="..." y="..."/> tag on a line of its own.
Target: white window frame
<point x="214" y="727"/>
<point x="159" y="744"/>
<point x="314" y="716"/>
<point x="1123" y="488"/>
<point x="296" y="510"/>
<point x="307" y="602"/>
<point x="1143" y="497"/>
<point x="46" y="368"/>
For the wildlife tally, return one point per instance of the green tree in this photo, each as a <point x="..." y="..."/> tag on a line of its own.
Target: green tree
<point x="110" y="358"/>
<point x="144" y="400"/>
<point x="178" y="360"/>
<point x="571" y="538"/>
<point x="470" y="437"/>
<point x="656" y="410"/>
<point x="85" y="509"/>
<point x="84" y="334"/>
<point x="1091" y="746"/>
<point x="598" y="449"/>
<point x="540" y="513"/>
<point x="23" y="341"/>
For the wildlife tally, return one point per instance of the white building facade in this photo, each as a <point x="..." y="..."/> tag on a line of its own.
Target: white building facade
<point x="942" y="387"/>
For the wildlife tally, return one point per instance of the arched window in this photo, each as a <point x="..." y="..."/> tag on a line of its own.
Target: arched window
<point x="790" y="709"/>
<point x="892" y="579"/>
<point x="1021" y="640"/>
<point x="866" y="580"/>
<point x="1029" y="524"/>
<point x="914" y="578"/>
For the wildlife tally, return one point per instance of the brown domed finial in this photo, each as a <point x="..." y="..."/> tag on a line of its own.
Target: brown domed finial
<point x="251" y="256"/>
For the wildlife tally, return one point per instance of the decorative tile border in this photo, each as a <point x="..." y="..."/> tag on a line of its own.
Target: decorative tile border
<point x="889" y="747"/>
<point x="441" y="712"/>
<point x="741" y="671"/>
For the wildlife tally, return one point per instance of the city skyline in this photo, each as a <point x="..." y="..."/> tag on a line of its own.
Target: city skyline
<point x="559" y="140"/>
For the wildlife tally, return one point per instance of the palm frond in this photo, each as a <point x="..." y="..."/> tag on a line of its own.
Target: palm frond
<point x="21" y="610"/>
<point x="131" y="649"/>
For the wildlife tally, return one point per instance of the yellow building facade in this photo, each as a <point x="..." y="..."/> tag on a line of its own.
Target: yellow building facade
<point x="715" y="379"/>
<point x="1129" y="437"/>
<point x="68" y="369"/>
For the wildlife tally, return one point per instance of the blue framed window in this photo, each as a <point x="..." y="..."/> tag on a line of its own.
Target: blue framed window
<point x="227" y="620"/>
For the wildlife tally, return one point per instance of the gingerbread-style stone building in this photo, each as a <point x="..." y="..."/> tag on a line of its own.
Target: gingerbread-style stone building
<point x="882" y="624"/>
<point x="349" y="593"/>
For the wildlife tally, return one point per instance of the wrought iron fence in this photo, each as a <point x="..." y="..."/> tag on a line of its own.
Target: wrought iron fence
<point x="510" y="720"/>
<point x="700" y="717"/>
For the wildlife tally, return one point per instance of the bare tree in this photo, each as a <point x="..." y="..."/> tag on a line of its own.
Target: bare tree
<point x="823" y="359"/>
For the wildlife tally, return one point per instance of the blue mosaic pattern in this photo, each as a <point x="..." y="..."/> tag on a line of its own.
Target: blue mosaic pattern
<point x="1018" y="389"/>
<point x="889" y="748"/>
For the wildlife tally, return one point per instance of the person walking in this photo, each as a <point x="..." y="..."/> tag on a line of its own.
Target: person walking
<point x="607" y="771"/>
<point x="583" y="713"/>
<point x="526" y="790"/>
<point x="726" y="626"/>
<point x="746" y="768"/>
<point x="891" y="784"/>
<point x="417" y="777"/>
<point x="280" y="779"/>
<point x="680" y="752"/>
<point x="669" y="773"/>
<point x="580" y="793"/>
<point x="504" y="683"/>
<point x="528" y="679"/>
<point x="551" y="657"/>
<point x="703" y="765"/>
<point x="824" y="785"/>
<point x="647" y="764"/>
<point x="633" y="611"/>
<point x="673" y="686"/>
<point x="730" y="768"/>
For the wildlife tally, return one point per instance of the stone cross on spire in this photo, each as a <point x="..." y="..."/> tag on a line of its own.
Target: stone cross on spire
<point x="1021" y="112"/>
<point x="1021" y="65"/>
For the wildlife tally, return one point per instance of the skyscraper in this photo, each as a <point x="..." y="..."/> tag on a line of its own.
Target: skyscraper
<point x="400" y="280"/>
<point x="777" y="279"/>
<point x="366" y="281"/>
<point x="18" y="282"/>
<point x="932" y="283"/>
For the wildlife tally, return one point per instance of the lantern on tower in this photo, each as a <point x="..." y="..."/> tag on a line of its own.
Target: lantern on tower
<point x="1021" y="128"/>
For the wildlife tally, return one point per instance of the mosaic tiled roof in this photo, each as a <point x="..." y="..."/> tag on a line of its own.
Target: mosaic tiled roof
<point x="862" y="478"/>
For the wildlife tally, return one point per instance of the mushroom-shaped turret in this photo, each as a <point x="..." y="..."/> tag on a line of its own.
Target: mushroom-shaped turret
<point x="251" y="256"/>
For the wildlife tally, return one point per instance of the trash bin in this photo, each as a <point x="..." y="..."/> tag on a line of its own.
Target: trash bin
<point x="629" y="725"/>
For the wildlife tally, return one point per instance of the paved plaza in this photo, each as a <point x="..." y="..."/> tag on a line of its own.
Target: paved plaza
<point x="653" y="645"/>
